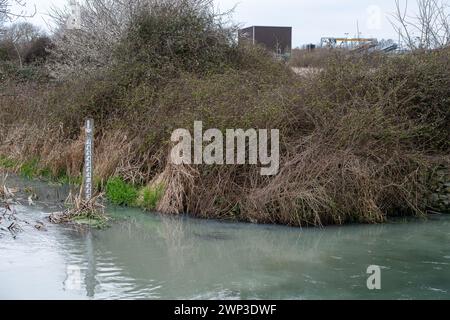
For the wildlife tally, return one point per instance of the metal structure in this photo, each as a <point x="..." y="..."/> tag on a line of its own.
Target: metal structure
<point x="275" y="39"/>
<point x="390" y="48"/>
<point x="360" y="45"/>
<point x="349" y="43"/>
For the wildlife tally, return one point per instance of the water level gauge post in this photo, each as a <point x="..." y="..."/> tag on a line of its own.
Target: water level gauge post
<point x="88" y="159"/>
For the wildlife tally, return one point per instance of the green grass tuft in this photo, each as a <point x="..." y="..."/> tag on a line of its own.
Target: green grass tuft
<point x="7" y="163"/>
<point x="150" y="196"/>
<point x="30" y="169"/>
<point x="121" y="193"/>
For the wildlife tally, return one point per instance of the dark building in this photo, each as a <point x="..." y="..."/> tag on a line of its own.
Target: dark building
<point x="310" y="47"/>
<point x="276" y="39"/>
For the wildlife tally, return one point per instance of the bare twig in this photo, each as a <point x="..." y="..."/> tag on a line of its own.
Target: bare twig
<point x="427" y="29"/>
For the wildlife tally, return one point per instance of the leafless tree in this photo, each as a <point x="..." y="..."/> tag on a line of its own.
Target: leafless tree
<point x="90" y="44"/>
<point x="7" y="12"/>
<point x="427" y="29"/>
<point x="20" y="35"/>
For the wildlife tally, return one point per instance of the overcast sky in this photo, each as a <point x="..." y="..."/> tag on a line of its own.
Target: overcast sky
<point x="310" y="19"/>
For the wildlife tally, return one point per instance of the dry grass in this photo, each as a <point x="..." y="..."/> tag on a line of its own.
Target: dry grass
<point x="316" y="58"/>
<point x="82" y="212"/>
<point x="340" y="187"/>
<point x="358" y="138"/>
<point x="177" y="181"/>
<point x="110" y="153"/>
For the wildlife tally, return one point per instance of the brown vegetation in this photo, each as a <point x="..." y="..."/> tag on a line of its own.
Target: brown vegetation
<point x="359" y="139"/>
<point x="315" y="58"/>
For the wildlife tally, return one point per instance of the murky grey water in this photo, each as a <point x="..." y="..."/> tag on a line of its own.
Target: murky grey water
<point x="143" y="256"/>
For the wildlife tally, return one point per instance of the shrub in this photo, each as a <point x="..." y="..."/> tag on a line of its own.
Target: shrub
<point x="7" y="51"/>
<point x="38" y="50"/>
<point x="120" y="193"/>
<point x="10" y="71"/>
<point x="357" y="139"/>
<point x="175" y="35"/>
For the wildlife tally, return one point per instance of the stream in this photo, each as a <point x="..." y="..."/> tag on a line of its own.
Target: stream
<point x="146" y="256"/>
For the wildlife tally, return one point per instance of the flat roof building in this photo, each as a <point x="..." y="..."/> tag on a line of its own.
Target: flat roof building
<point x="275" y="39"/>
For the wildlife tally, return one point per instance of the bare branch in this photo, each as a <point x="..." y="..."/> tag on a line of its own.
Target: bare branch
<point x="7" y="13"/>
<point x="426" y="29"/>
<point x="102" y="24"/>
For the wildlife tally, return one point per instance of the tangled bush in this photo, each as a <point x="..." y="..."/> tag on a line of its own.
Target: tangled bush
<point x="178" y="36"/>
<point x="358" y="139"/>
<point x="159" y="30"/>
